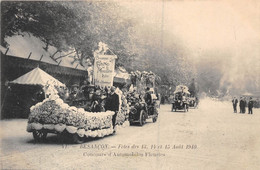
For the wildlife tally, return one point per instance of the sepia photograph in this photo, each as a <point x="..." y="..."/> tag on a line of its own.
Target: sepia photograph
<point x="130" y="85"/>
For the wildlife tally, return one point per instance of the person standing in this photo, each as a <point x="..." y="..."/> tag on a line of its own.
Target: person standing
<point x="250" y="106"/>
<point x="112" y="104"/>
<point x="196" y="102"/>
<point x="241" y="105"/>
<point x="158" y="99"/>
<point x="244" y="105"/>
<point x="162" y="99"/>
<point x="235" y="101"/>
<point x="148" y="97"/>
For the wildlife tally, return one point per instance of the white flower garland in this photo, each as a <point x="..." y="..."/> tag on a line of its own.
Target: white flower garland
<point x="55" y="115"/>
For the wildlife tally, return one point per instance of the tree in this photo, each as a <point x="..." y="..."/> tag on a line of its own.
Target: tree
<point x="68" y="25"/>
<point x="78" y="27"/>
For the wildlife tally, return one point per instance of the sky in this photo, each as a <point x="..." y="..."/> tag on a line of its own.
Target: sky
<point x="225" y="33"/>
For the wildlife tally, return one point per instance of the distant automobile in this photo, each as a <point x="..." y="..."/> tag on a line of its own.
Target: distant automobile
<point x="192" y="102"/>
<point x="181" y="99"/>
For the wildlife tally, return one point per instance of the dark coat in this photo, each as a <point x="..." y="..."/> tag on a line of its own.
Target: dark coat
<point x="234" y="101"/>
<point x="96" y="105"/>
<point x="241" y="103"/>
<point x="148" y="98"/>
<point x="250" y="104"/>
<point x="112" y="102"/>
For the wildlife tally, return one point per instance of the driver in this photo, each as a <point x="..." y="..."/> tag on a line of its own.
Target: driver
<point x="148" y="97"/>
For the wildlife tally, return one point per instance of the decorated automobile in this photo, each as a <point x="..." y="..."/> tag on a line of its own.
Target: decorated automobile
<point x="192" y="102"/>
<point x="140" y="111"/>
<point x="181" y="99"/>
<point x="53" y="115"/>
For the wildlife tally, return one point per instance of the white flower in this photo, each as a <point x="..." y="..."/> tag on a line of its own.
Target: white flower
<point x="59" y="101"/>
<point x="81" y="110"/>
<point x="64" y="106"/>
<point x="32" y="108"/>
<point x="73" y="108"/>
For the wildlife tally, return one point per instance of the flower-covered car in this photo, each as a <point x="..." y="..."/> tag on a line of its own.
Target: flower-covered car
<point x="181" y="99"/>
<point x="140" y="111"/>
<point x="52" y="115"/>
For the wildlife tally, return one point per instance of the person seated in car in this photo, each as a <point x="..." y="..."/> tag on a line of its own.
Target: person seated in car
<point x="148" y="97"/>
<point x="96" y="105"/>
<point x="73" y="94"/>
<point x="179" y="97"/>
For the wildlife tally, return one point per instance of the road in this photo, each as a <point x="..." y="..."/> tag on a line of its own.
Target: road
<point x="210" y="137"/>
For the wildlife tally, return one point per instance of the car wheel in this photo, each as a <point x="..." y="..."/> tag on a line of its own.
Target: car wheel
<point x="156" y="115"/>
<point x="142" y="118"/>
<point x="39" y="135"/>
<point x="77" y="139"/>
<point x="155" y="119"/>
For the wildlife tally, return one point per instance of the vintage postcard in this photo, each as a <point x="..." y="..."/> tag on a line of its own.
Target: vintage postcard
<point x="129" y="84"/>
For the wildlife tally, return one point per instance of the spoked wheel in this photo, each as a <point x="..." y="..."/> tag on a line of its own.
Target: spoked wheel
<point x="142" y="118"/>
<point x="39" y="135"/>
<point x="156" y="116"/>
<point x="185" y="108"/>
<point x="77" y="139"/>
<point x="131" y="123"/>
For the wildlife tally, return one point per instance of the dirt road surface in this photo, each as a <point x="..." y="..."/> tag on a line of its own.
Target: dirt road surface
<point x="210" y="137"/>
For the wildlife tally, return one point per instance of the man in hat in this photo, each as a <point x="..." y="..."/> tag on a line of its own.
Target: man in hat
<point x="250" y="106"/>
<point x="241" y="103"/>
<point x="235" y="101"/>
<point x="112" y="103"/>
<point x="148" y="97"/>
<point x="85" y="88"/>
<point x="244" y="105"/>
<point x="96" y="102"/>
<point x="73" y="94"/>
<point x="74" y="89"/>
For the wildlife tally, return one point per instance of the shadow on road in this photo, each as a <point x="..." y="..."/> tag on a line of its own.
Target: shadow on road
<point x="62" y="139"/>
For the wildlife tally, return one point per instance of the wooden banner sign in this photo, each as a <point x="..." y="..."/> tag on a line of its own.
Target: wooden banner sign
<point x="104" y="67"/>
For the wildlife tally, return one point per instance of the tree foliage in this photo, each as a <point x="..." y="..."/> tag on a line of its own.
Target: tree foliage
<point x="80" y="26"/>
<point x="66" y="25"/>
